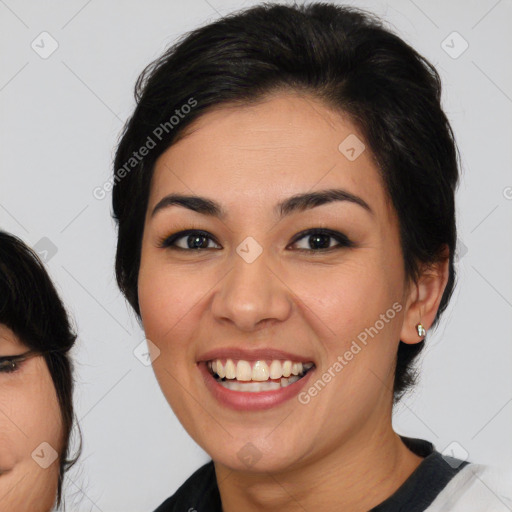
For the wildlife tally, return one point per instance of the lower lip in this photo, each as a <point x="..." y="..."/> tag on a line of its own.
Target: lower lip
<point x="246" y="401"/>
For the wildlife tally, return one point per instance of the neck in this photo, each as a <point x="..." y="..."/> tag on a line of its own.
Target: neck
<point x="358" y="475"/>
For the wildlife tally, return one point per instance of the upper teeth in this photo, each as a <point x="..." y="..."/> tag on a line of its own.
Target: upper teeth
<point x="259" y="371"/>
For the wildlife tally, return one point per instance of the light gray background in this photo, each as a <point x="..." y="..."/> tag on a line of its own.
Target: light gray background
<point x="60" y="120"/>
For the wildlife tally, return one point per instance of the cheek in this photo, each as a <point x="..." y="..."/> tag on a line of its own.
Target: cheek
<point x="29" y="487"/>
<point x="355" y="311"/>
<point x="168" y="297"/>
<point x="10" y="445"/>
<point x="31" y="414"/>
<point x="346" y="298"/>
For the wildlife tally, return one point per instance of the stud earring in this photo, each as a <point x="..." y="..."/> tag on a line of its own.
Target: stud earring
<point x="421" y="330"/>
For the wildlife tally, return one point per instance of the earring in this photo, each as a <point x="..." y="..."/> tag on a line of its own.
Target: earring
<point x="421" y="330"/>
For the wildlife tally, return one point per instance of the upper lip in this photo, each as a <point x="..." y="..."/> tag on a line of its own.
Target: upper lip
<point x="252" y="355"/>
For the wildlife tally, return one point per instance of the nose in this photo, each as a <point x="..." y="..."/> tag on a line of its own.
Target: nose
<point x="252" y="296"/>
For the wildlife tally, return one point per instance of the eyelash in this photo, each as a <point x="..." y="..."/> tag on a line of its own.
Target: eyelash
<point x="343" y="241"/>
<point x="11" y="364"/>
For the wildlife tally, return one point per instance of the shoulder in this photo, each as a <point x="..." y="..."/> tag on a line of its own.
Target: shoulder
<point x="476" y="488"/>
<point x="198" y="492"/>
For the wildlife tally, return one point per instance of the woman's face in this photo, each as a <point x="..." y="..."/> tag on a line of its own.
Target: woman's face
<point x="257" y="289"/>
<point x="30" y="430"/>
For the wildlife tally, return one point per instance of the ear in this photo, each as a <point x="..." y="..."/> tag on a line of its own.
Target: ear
<point x="424" y="297"/>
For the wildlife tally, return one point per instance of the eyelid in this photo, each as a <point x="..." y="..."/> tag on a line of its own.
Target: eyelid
<point x="19" y="357"/>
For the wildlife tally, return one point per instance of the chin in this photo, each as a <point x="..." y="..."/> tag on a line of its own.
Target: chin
<point x="249" y="458"/>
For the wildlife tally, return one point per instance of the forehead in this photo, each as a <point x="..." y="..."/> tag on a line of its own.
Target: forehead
<point x="258" y="154"/>
<point x="8" y="339"/>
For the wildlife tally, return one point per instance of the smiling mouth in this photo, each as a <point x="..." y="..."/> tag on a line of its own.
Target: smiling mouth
<point x="257" y="376"/>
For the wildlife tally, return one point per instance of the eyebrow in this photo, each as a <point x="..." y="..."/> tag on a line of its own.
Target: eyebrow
<point x="296" y="203"/>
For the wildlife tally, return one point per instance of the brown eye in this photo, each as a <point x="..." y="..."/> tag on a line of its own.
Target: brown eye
<point x="319" y="240"/>
<point x="8" y="365"/>
<point x="192" y="240"/>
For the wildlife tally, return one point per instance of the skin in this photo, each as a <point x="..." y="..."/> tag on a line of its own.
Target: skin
<point x="29" y="416"/>
<point x="338" y="452"/>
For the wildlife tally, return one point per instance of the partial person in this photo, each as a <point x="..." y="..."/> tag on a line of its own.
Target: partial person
<point x="36" y="383"/>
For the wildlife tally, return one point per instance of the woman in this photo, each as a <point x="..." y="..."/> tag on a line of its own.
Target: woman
<point x="36" y="408"/>
<point x="284" y="194"/>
